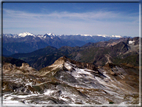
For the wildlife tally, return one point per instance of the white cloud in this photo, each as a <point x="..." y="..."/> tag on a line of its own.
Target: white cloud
<point x="87" y="15"/>
<point x="101" y="22"/>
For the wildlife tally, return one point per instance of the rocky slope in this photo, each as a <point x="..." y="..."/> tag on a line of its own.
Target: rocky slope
<point x="69" y="82"/>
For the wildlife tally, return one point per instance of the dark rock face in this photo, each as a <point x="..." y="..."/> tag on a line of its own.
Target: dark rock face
<point x="79" y="64"/>
<point x="11" y="60"/>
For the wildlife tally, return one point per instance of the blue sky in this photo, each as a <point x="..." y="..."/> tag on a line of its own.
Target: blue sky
<point x="72" y="18"/>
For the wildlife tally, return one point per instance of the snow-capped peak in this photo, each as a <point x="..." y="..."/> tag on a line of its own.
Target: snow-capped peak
<point x="117" y="36"/>
<point x="50" y="34"/>
<point x="25" y="34"/>
<point x="103" y="35"/>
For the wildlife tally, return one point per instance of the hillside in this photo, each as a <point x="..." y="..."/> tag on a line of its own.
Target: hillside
<point x="124" y="50"/>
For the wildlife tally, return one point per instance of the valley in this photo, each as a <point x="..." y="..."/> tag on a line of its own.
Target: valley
<point x="116" y="51"/>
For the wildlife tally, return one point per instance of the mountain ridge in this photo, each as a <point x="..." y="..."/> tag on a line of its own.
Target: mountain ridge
<point x="63" y="82"/>
<point x="52" y="34"/>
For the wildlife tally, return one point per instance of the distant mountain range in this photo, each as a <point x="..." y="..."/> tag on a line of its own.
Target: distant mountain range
<point x="28" y="42"/>
<point x="24" y="34"/>
<point x="123" y="50"/>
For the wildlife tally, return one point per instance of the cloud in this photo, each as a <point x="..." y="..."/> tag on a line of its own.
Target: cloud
<point x="87" y="15"/>
<point x="95" y="22"/>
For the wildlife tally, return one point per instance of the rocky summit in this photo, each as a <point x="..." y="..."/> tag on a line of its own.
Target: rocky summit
<point x="70" y="82"/>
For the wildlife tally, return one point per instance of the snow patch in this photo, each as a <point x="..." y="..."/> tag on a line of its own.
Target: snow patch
<point x="68" y="66"/>
<point x="101" y="81"/>
<point x="63" y="98"/>
<point x="9" y="102"/>
<point x="82" y="71"/>
<point x="123" y="104"/>
<point x="130" y="42"/>
<point x="29" y="83"/>
<point x="48" y="92"/>
<point x="13" y="103"/>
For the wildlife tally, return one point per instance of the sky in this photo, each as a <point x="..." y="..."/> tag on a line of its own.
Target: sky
<point x="72" y="18"/>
